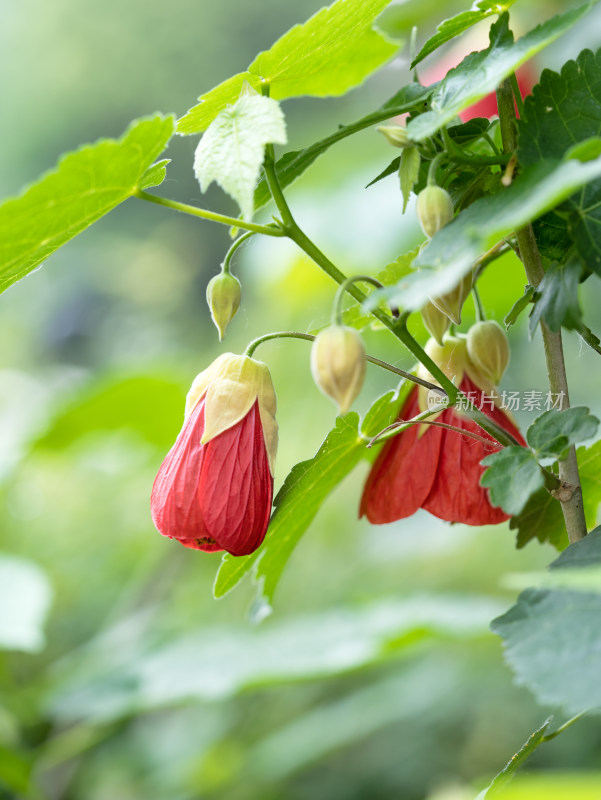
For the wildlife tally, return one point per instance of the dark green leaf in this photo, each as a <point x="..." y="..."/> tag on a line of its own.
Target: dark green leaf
<point x="85" y="185"/>
<point x="560" y="117"/>
<point x="291" y="165"/>
<point x="515" y="762"/>
<point x="469" y="131"/>
<point x="556" y="297"/>
<point x="299" y="500"/>
<point x="519" y="306"/>
<point x="480" y="73"/>
<point x="513" y="475"/>
<point x="451" y="253"/>
<point x="552" y="236"/>
<point x="551" y="434"/>
<point x="335" y="50"/>
<point x="391" y="169"/>
<point x="553" y="633"/>
<point x="542" y="518"/>
<point x="450" y="28"/>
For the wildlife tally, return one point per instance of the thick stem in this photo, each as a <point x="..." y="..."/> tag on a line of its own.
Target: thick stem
<point x="573" y="510"/>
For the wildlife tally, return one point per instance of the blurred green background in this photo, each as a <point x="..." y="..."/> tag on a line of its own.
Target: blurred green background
<point x="121" y="678"/>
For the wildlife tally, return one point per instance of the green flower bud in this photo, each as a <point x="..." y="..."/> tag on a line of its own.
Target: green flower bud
<point x="396" y="134"/>
<point x="437" y="323"/>
<point x="434" y="209"/>
<point x="451" y="303"/>
<point x="338" y="364"/>
<point x="223" y="297"/>
<point x="488" y="349"/>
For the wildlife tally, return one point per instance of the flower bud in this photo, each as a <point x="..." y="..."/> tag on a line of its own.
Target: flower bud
<point x="437" y="323"/>
<point x="488" y="349"/>
<point x="452" y="302"/>
<point x="434" y="209"/>
<point x="338" y="364"/>
<point x="396" y="134"/>
<point x="223" y="297"/>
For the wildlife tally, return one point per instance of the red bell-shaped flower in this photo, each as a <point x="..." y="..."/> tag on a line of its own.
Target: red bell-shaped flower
<point x="215" y="487"/>
<point x="430" y="467"/>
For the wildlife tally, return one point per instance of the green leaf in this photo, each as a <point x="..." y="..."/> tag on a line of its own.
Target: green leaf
<point x="409" y="172"/>
<point x="24" y="603"/>
<point x="335" y="50"/>
<point x="480" y="73"/>
<point x="232" y="150"/>
<point x="552" y="236"/>
<point x="299" y="500"/>
<point x="217" y="662"/>
<point x="560" y="117"/>
<point x="513" y="475"/>
<point x="85" y="185"/>
<point x="154" y="175"/>
<point x="553" y="633"/>
<point x="515" y="762"/>
<point x="450" y="28"/>
<point x="355" y="316"/>
<point x="552" y="433"/>
<point x="542" y="517"/>
<point x="452" y="251"/>
<point x="292" y="165"/>
<point x="520" y="305"/>
<point x="469" y="131"/>
<point x="389" y="170"/>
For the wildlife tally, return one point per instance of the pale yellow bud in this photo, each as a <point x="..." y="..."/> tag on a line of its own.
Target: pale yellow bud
<point x="437" y="323"/>
<point x="338" y="364"/>
<point x="434" y="209"/>
<point x="396" y="134"/>
<point x="223" y="297"/>
<point x="452" y="302"/>
<point x="488" y="349"/>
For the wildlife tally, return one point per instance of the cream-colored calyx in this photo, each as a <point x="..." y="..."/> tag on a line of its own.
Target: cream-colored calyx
<point x="230" y="386"/>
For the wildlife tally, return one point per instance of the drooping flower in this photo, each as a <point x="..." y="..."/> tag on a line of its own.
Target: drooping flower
<point x="214" y="489"/>
<point x="434" y="468"/>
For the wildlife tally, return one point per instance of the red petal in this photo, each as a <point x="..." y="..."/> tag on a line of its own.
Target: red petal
<point x="174" y="505"/>
<point x="404" y="471"/>
<point x="456" y="494"/>
<point x="235" y="489"/>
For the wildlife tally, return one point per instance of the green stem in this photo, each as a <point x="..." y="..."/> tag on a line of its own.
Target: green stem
<point x="225" y="267"/>
<point x="341" y="291"/>
<point x="433" y="167"/>
<point x="398" y="427"/>
<point x="572" y="506"/>
<point x="563" y="727"/>
<point x="457" y="155"/>
<point x="308" y="337"/>
<point x="480" y="314"/>
<point x="397" y="326"/>
<point x="268" y="230"/>
<point x="517" y="95"/>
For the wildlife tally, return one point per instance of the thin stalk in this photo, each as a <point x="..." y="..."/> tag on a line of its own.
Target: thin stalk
<point x="228" y="256"/>
<point x="563" y="727"/>
<point x="444" y="425"/>
<point x="341" y="291"/>
<point x="397" y="326"/>
<point x="517" y="95"/>
<point x="268" y="230"/>
<point x="402" y="426"/>
<point x="308" y="337"/>
<point x="480" y="313"/>
<point x="572" y="508"/>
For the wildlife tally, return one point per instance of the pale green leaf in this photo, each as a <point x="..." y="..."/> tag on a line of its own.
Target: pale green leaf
<point x="86" y="184"/>
<point x="551" y="633"/>
<point x="520" y="305"/>
<point x="232" y="150"/>
<point x="513" y="475"/>
<point x="335" y="50"/>
<point x="556" y="297"/>
<point x="300" y="498"/>
<point x="452" y="251"/>
<point x="24" y="602"/>
<point x="507" y="773"/>
<point x="291" y="165"/>
<point x="217" y="662"/>
<point x="554" y="431"/>
<point x="450" y="28"/>
<point x="480" y="73"/>
<point x="154" y="175"/>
